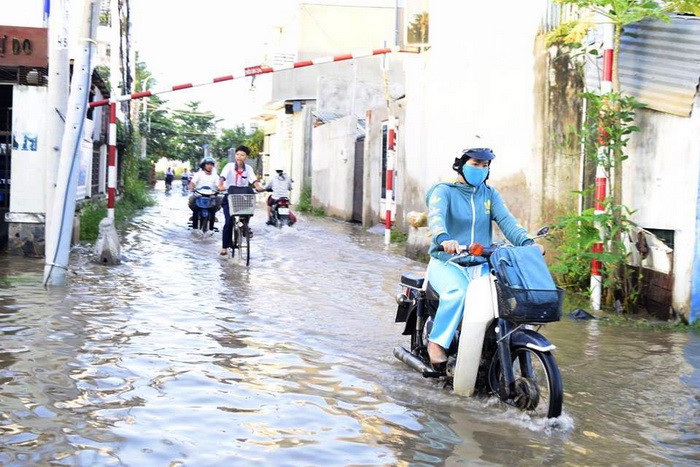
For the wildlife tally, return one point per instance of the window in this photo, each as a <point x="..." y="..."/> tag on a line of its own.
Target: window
<point x="417" y="22"/>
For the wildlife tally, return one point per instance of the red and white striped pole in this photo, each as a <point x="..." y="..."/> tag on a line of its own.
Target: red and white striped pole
<point x="390" y="163"/>
<point x="112" y="161"/>
<point x="252" y="71"/>
<point x="601" y="177"/>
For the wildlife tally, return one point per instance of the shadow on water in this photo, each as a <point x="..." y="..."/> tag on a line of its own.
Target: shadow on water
<point x="179" y="355"/>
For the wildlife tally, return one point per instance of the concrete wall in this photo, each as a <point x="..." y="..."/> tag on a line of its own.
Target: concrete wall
<point x="460" y="87"/>
<point x="318" y="30"/>
<point x="29" y="150"/>
<point x="333" y="159"/>
<point x="661" y="184"/>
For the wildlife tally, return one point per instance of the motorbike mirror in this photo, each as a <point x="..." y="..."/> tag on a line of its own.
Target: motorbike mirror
<point x="543" y="231"/>
<point x="475" y="249"/>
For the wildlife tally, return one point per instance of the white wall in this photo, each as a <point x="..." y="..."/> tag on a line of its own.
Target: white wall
<point x="317" y="30"/>
<point x="477" y="77"/>
<point x="24" y="13"/>
<point x="333" y="158"/>
<point x="661" y="183"/>
<point x="27" y="193"/>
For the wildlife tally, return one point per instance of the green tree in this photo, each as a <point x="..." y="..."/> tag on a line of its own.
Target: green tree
<point x="194" y="130"/>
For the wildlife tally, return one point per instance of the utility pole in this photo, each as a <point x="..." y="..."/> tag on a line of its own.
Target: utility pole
<point x="56" y="19"/>
<point x="68" y="166"/>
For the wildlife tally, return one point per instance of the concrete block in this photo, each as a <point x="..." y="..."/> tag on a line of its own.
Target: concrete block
<point x="418" y="243"/>
<point x="107" y="248"/>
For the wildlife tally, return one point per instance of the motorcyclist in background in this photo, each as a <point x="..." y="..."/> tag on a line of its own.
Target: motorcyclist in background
<point x="206" y="177"/>
<point x="280" y="185"/>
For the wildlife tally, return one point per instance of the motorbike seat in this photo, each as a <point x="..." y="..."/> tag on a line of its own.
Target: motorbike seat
<point x="413" y="279"/>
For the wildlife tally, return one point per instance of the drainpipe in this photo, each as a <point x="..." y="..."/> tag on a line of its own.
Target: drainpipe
<point x="59" y="237"/>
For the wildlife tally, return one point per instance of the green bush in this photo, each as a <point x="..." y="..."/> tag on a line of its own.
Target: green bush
<point x="135" y="197"/>
<point x="304" y="204"/>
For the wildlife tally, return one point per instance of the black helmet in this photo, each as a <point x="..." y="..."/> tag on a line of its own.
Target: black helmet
<point x="207" y="160"/>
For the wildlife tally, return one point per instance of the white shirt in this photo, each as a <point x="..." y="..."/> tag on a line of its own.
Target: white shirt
<point x="236" y="177"/>
<point x="201" y="178"/>
<point x="280" y="185"/>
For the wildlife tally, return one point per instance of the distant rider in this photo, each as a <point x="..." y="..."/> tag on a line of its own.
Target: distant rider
<point x="185" y="179"/>
<point x="169" y="177"/>
<point x="236" y="176"/>
<point x="206" y="177"/>
<point x="280" y="186"/>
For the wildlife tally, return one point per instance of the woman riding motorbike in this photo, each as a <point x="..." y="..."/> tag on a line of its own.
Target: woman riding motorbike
<point x="460" y="214"/>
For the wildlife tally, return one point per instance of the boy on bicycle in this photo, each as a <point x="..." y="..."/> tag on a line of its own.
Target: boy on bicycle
<point x="236" y="176"/>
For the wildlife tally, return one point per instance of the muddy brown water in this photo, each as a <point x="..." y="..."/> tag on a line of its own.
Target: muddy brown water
<point x="180" y="357"/>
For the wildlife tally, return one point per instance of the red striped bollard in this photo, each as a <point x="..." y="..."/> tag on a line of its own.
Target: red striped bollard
<point x="601" y="179"/>
<point x="390" y="162"/>
<point x="112" y="161"/>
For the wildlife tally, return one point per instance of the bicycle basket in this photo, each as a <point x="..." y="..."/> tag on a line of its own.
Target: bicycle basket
<point x="241" y="205"/>
<point x="528" y="305"/>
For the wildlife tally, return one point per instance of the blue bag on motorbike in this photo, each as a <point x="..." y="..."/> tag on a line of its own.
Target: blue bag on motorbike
<point x="525" y="286"/>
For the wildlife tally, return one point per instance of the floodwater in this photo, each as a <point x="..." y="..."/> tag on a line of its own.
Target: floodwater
<point x="181" y="357"/>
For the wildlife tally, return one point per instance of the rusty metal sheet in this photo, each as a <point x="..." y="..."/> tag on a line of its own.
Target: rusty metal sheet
<point x="20" y="46"/>
<point x="659" y="64"/>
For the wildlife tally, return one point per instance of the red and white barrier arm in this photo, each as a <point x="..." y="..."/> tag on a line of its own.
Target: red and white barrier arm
<point x="251" y="71"/>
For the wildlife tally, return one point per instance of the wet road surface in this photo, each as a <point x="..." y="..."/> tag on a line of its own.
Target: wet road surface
<point x="181" y="357"/>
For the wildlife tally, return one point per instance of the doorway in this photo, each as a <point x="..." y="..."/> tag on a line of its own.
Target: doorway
<point x="358" y="183"/>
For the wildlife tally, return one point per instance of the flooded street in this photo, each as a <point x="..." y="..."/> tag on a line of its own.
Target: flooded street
<point x="180" y="356"/>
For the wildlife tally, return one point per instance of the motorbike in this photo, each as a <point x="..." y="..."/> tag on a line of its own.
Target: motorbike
<point x="497" y="349"/>
<point x="204" y="202"/>
<point x="280" y="213"/>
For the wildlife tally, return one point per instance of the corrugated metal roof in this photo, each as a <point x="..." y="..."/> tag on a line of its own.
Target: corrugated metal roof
<point x="659" y="64"/>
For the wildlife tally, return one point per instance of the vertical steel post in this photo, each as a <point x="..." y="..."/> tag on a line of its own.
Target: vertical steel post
<point x="112" y="161"/>
<point x="390" y="163"/>
<point x="69" y="164"/>
<point x="601" y="180"/>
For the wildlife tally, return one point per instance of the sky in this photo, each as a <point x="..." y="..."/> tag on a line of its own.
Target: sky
<point x="194" y="41"/>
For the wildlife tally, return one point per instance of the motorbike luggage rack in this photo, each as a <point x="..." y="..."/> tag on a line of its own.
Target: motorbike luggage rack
<point x="413" y="280"/>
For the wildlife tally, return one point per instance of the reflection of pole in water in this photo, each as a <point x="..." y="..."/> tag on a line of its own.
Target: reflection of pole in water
<point x="592" y="347"/>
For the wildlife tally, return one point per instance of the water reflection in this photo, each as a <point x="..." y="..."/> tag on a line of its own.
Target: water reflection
<point x="180" y="356"/>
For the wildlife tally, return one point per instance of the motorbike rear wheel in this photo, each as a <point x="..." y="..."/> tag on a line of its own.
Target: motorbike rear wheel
<point x="538" y="385"/>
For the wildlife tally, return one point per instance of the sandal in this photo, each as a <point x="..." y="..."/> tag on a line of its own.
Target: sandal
<point x="224" y="252"/>
<point x="436" y="353"/>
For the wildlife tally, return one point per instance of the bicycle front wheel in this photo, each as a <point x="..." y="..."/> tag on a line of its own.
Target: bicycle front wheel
<point x="538" y="385"/>
<point x="245" y="241"/>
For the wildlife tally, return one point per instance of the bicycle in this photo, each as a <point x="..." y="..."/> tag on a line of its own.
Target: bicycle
<point x="241" y="208"/>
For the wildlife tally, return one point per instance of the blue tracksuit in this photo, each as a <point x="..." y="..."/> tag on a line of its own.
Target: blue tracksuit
<point x="458" y="211"/>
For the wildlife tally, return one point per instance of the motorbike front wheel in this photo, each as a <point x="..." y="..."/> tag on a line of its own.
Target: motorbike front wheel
<point x="538" y="388"/>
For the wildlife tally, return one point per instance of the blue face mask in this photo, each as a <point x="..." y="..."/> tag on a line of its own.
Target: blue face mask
<point x="475" y="176"/>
